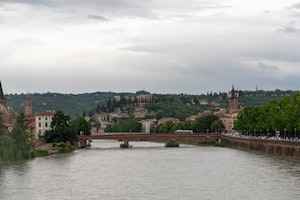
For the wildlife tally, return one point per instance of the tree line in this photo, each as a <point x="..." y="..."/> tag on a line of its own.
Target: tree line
<point x="281" y="116"/>
<point x="206" y="124"/>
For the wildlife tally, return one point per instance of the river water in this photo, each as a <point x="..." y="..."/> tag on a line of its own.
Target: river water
<point x="150" y="171"/>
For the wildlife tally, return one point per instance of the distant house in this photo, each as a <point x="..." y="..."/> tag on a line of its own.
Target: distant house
<point x="203" y="114"/>
<point x="164" y="120"/>
<point x="140" y="112"/>
<point x="43" y="123"/>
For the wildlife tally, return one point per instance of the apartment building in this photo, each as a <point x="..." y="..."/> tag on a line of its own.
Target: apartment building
<point x="43" y="123"/>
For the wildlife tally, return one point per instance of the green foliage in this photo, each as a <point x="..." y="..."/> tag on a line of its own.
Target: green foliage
<point x="209" y="123"/>
<point x="203" y="124"/>
<point x="217" y="126"/>
<point x="174" y="109"/>
<point x="61" y="131"/>
<point x="126" y="125"/>
<point x="72" y="104"/>
<point x="172" y="143"/>
<point x="75" y="104"/>
<point x="81" y="126"/>
<point x="283" y="116"/>
<point x="8" y="154"/>
<point x="62" y="147"/>
<point x="41" y="152"/>
<point x="16" y="145"/>
<point x="125" y="145"/>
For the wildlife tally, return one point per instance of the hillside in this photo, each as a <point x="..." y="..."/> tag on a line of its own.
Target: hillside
<point x="71" y="104"/>
<point x="77" y="104"/>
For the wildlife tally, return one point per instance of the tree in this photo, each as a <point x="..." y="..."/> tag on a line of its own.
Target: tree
<point x="7" y="148"/>
<point x="22" y="121"/>
<point x="217" y="126"/>
<point x="24" y="147"/>
<point x="61" y="131"/>
<point x="203" y="124"/>
<point x="81" y="126"/>
<point x="129" y="125"/>
<point x="283" y="116"/>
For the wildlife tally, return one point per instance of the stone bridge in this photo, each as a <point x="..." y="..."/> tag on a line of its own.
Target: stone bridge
<point x="182" y="138"/>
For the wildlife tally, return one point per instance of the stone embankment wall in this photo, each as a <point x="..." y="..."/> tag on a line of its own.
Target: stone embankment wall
<point x="273" y="147"/>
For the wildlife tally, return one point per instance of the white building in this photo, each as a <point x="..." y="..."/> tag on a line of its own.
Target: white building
<point x="43" y="123"/>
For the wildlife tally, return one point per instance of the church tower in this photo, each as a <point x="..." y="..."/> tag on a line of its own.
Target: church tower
<point x="2" y="97"/>
<point x="28" y="107"/>
<point x="233" y="101"/>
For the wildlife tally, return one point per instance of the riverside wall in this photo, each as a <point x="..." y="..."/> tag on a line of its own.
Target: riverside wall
<point x="273" y="147"/>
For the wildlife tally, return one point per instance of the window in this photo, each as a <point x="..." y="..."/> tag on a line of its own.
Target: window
<point x="40" y="124"/>
<point x="46" y="124"/>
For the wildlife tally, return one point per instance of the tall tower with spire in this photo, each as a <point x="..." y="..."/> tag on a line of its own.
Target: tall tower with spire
<point x="28" y="106"/>
<point x="233" y="101"/>
<point x="2" y="97"/>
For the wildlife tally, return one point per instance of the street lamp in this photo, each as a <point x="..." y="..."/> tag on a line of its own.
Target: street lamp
<point x="284" y="133"/>
<point x="295" y="129"/>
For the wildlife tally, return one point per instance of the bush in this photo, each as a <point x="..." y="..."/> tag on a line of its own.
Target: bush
<point x="62" y="147"/>
<point x="172" y="143"/>
<point x="125" y="145"/>
<point x="41" y="152"/>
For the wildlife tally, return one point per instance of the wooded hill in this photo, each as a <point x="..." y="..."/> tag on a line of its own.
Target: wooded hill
<point x="166" y="105"/>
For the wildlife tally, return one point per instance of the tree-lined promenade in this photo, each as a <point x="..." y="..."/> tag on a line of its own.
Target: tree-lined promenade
<point x="276" y="117"/>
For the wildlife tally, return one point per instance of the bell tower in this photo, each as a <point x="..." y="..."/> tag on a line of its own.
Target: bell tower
<point x="28" y="106"/>
<point x="233" y="101"/>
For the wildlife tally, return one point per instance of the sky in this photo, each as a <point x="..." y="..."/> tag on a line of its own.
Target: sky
<point x="161" y="46"/>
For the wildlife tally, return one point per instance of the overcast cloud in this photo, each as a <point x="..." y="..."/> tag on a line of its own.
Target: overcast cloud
<point x="163" y="46"/>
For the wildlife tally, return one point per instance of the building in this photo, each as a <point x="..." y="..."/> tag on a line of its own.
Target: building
<point x="28" y="107"/>
<point x="43" y="123"/>
<point x="166" y="119"/>
<point x="8" y="115"/>
<point x="233" y="101"/>
<point x="199" y="115"/>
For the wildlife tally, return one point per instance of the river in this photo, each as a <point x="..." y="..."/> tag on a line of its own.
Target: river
<point x="151" y="171"/>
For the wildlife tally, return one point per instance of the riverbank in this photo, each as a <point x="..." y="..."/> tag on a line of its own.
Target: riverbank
<point x="53" y="148"/>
